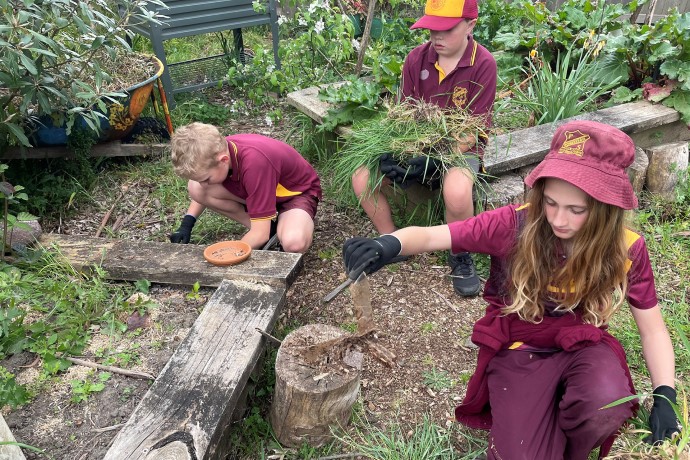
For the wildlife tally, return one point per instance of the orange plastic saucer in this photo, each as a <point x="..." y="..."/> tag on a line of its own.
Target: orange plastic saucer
<point x="227" y="252"/>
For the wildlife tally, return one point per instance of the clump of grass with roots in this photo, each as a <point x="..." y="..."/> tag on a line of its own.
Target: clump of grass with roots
<point x="407" y="130"/>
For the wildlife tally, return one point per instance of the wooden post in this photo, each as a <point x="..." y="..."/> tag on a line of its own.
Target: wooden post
<point x="310" y="399"/>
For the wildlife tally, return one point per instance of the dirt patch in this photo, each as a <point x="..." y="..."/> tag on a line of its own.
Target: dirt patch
<point x="416" y="313"/>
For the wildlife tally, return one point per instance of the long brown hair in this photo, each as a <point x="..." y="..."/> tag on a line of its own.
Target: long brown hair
<point x="594" y="277"/>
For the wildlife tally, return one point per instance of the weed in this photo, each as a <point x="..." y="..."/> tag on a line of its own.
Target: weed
<point x="425" y="441"/>
<point x="437" y="379"/>
<point x="349" y="327"/>
<point x="196" y="109"/>
<point x="126" y="393"/>
<point x="194" y="293"/>
<point x="83" y="389"/>
<point x="329" y="253"/>
<point x="427" y="327"/>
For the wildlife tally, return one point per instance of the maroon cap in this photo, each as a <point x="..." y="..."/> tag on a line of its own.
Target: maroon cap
<point x="440" y="15"/>
<point x="593" y="157"/>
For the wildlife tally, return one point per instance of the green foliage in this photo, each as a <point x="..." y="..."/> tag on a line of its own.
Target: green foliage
<point x="315" y="44"/>
<point x="356" y="99"/>
<point x="190" y="109"/>
<point x="83" y="389"/>
<point x="64" y="305"/>
<point x="52" y="55"/>
<point x="566" y="90"/>
<point x="11" y="393"/>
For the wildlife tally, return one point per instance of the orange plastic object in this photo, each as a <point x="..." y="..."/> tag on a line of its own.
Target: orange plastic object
<point x="227" y="252"/>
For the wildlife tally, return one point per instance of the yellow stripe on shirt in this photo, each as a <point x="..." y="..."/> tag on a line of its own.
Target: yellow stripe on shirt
<point x="282" y="191"/>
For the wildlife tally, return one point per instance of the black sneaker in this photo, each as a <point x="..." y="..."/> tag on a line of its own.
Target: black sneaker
<point x="465" y="280"/>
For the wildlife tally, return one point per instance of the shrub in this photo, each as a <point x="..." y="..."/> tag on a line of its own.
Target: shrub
<point x="50" y="54"/>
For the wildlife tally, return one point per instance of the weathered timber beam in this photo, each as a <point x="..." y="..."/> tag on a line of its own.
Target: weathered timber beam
<point x="187" y="411"/>
<point x="647" y="123"/>
<point x="107" y="149"/>
<point x="169" y="263"/>
<point x="9" y="451"/>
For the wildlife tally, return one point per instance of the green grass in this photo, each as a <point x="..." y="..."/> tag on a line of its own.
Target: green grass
<point x="424" y="440"/>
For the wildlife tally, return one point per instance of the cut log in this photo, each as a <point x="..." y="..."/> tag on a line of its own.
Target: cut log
<point x="169" y="263"/>
<point x="310" y="400"/>
<point x="665" y="162"/>
<point x="186" y="413"/>
<point x="637" y="172"/>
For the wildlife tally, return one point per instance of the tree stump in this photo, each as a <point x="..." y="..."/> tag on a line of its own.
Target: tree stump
<point x="665" y="162"/>
<point x="311" y="397"/>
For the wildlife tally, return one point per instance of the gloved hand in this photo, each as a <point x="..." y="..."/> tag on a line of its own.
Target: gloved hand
<point x="662" y="420"/>
<point x="369" y="255"/>
<point x="184" y="233"/>
<point x="424" y="169"/>
<point x="390" y="167"/>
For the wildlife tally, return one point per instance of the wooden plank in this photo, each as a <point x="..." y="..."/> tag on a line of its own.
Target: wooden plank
<point x="307" y="101"/>
<point x="106" y="149"/>
<point x="528" y="146"/>
<point x="171" y="263"/>
<point x="9" y="452"/>
<point x="187" y="411"/>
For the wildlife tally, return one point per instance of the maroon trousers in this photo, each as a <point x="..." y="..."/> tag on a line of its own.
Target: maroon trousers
<point x="547" y="406"/>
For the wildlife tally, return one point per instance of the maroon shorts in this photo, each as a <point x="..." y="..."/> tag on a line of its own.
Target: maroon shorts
<point x="306" y="203"/>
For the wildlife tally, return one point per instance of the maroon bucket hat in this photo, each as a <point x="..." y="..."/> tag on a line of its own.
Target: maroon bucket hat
<point x="593" y="157"/>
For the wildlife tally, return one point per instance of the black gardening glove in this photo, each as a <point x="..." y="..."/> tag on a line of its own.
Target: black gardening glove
<point x="662" y="419"/>
<point x="424" y="169"/>
<point x="390" y="167"/>
<point x="184" y="233"/>
<point x="369" y="255"/>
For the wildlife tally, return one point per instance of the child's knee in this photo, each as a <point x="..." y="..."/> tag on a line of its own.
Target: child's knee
<point x="360" y="180"/>
<point x="196" y="191"/>
<point x="292" y="241"/>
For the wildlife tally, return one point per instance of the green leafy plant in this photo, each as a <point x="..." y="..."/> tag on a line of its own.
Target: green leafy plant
<point x="654" y="59"/>
<point x="53" y="54"/>
<point x="11" y="393"/>
<point x="83" y="389"/>
<point x="194" y="293"/>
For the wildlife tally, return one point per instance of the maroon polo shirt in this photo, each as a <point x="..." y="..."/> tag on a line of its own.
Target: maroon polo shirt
<point x="471" y="85"/>
<point x="495" y="233"/>
<point x="265" y="172"/>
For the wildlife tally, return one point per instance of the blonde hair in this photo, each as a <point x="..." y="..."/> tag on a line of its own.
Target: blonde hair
<point x="594" y="277"/>
<point x="194" y="148"/>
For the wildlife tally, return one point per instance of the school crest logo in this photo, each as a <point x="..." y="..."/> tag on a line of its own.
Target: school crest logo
<point x="460" y="96"/>
<point x="574" y="143"/>
<point x="435" y="5"/>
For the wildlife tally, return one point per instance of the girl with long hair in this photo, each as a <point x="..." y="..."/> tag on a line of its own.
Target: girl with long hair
<point x="561" y="265"/>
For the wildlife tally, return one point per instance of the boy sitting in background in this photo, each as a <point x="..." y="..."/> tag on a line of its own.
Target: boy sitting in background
<point x="250" y="178"/>
<point x="451" y="71"/>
